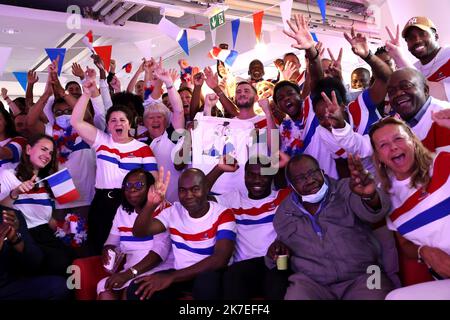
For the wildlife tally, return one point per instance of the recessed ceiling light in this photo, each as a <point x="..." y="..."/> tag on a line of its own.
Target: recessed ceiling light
<point x="10" y="31"/>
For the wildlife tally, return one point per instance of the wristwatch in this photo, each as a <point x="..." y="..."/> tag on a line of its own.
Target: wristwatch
<point x="134" y="272"/>
<point x="18" y="240"/>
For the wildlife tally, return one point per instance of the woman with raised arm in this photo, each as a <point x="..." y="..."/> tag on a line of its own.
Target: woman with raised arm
<point x="419" y="183"/>
<point x="117" y="154"/>
<point x="144" y="255"/>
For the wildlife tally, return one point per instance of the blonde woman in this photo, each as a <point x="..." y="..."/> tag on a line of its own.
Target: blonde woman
<point x="419" y="184"/>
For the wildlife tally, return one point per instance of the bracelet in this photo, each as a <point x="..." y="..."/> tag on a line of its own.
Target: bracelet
<point x="315" y="57"/>
<point x="13" y="198"/>
<point x="169" y="87"/>
<point x="368" y="56"/>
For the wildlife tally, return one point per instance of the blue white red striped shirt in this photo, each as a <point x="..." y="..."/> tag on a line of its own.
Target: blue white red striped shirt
<point x="194" y="239"/>
<point x="255" y="232"/>
<point x="115" y="160"/>
<point x="16" y="145"/>
<point x="423" y="216"/>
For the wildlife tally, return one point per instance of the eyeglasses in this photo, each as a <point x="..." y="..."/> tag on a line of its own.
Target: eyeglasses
<point x="403" y="85"/>
<point x="302" y="178"/>
<point x="61" y="112"/>
<point x="137" y="185"/>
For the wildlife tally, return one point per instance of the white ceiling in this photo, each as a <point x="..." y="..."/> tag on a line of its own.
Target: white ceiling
<point x="40" y="29"/>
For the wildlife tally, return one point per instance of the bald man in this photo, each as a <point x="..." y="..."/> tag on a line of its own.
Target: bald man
<point x="409" y="97"/>
<point x="202" y="234"/>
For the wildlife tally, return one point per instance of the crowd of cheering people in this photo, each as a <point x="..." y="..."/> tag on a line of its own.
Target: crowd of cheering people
<point x="352" y="176"/>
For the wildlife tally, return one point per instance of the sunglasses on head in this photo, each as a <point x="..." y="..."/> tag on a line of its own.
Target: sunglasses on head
<point x="137" y="185"/>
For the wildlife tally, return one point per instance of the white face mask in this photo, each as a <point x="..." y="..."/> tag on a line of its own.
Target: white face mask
<point x="316" y="197"/>
<point x="63" y="121"/>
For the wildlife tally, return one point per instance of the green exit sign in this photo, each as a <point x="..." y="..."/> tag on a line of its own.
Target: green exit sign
<point x="217" y="20"/>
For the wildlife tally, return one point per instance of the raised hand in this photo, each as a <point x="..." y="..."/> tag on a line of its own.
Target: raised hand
<point x="90" y="87"/>
<point x="333" y="110"/>
<point x="98" y="62"/>
<point x="199" y="79"/>
<point x="115" y="84"/>
<point x="174" y="74"/>
<point x="211" y="100"/>
<point x="359" y="44"/>
<point x="90" y="74"/>
<point x="163" y="75"/>
<point x="319" y="47"/>
<point x="442" y="118"/>
<point x="279" y="64"/>
<point x="335" y="68"/>
<point x="393" y="44"/>
<point x="300" y="33"/>
<point x="289" y="70"/>
<point x="211" y="78"/>
<point x="141" y="66"/>
<point x="112" y="66"/>
<point x="32" y="77"/>
<point x="157" y="192"/>
<point x="4" y="93"/>
<point x="265" y="106"/>
<point x="362" y="182"/>
<point x="227" y="163"/>
<point x="77" y="71"/>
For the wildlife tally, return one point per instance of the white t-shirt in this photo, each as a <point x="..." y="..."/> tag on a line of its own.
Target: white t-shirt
<point x="36" y="205"/>
<point x="429" y="132"/>
<point x="438" y="69"/>
<point x="214" y="137"/>
<point x="255" y="232"/>
<point x="16" y="145"/>
<point x="136" y="249"/>
<point x="162" y="148"/>
<point x="424" y="217"/>
<point x="115" y="160"/>
<point x="75" y="155"/>
<point x="193" y="239"/>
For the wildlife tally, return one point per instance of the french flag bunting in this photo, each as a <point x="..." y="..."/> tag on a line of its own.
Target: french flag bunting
<point x="63" y="187"/>
<point x="227" y="56"/>
<point x="88" y="40"/>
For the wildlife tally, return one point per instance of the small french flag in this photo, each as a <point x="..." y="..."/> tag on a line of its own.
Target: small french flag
<point x="88" y="40"/>
<point x="62" y="186"/>
<point x="227" y="56"/>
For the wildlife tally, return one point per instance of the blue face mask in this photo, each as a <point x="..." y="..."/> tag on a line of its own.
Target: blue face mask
<point x="63" y="121"/>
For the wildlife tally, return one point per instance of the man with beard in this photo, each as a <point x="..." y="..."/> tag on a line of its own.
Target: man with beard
<point x="254" y="209"/>
<point x="323" y="225"/>
<point x="202" y="234"/>
<point x="421" y="37"/>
